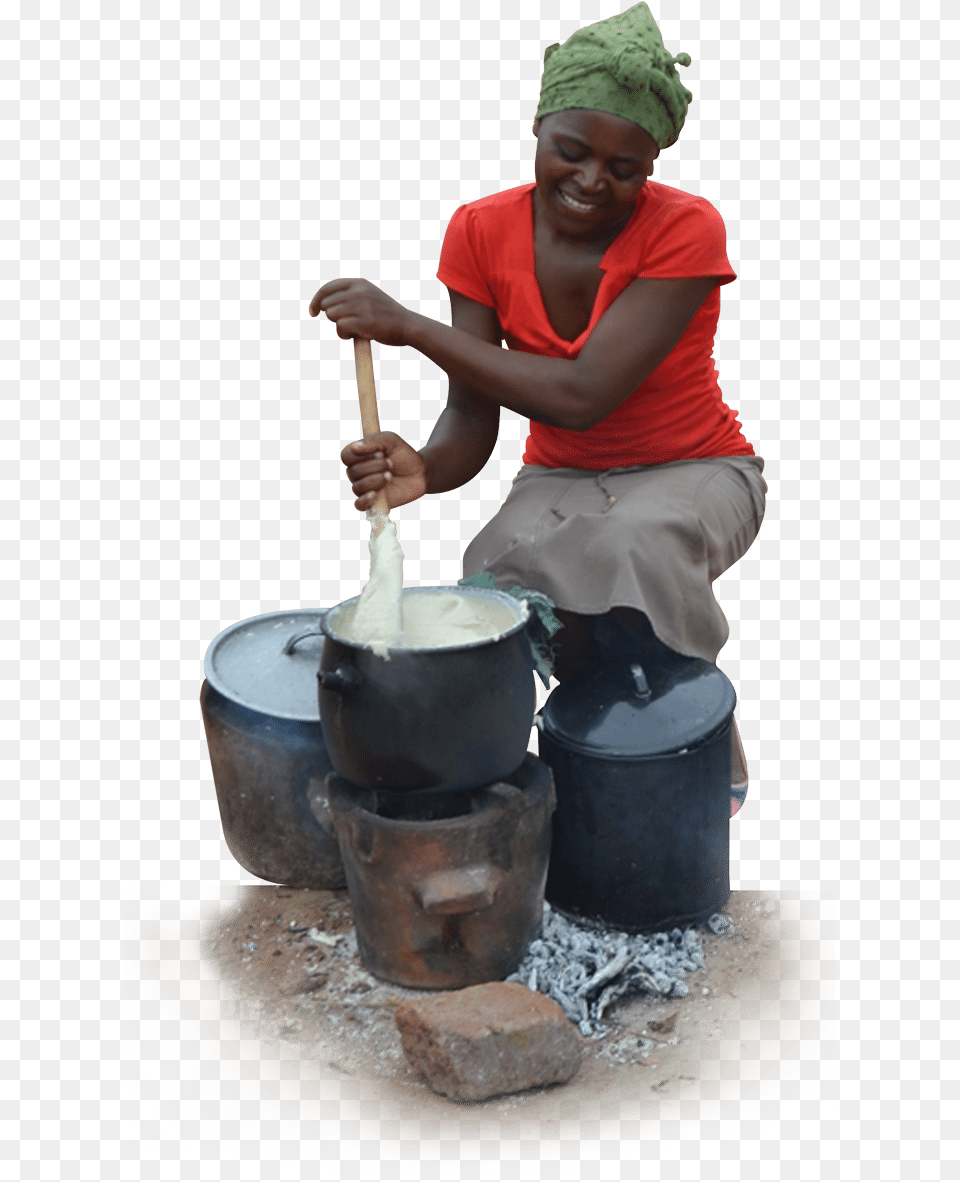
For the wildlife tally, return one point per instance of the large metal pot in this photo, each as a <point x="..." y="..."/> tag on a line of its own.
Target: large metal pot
<point x="269" y="761"/>
<point x="640" y="753"/>
<point x="428" y="718"/>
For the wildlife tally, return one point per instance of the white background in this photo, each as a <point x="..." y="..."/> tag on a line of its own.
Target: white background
<point x="173" y="192"/>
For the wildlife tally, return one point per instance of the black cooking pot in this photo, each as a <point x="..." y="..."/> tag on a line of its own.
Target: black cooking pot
<point x="640" y="753"/>
<point x="267" y="753"/>
<point x="428" y="718"/>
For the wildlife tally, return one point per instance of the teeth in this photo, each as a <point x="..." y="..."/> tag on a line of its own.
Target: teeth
<point x="576" y="204"/>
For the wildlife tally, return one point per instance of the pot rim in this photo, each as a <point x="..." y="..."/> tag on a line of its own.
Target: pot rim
<point x="519" y="605"/>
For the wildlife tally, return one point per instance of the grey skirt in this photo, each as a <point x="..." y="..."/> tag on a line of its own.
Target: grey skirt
<point x="652" y="538"/>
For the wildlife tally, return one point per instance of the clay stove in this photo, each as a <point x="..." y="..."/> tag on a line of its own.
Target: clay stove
<point x="447" y="888"/>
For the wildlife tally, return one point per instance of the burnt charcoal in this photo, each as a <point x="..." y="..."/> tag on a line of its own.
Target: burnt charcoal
<point x="585" y="970"/>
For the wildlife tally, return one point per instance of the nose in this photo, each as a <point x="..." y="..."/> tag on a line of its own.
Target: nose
<point x="590" y="177"/>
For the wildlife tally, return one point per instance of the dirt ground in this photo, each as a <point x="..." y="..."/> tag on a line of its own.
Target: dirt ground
<point x="288" y="961"/>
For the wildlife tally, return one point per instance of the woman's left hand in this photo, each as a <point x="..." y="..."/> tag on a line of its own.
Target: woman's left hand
<point x="360" y="309"/>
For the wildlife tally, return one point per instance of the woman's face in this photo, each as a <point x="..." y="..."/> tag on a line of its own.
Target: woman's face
<point x="589" y="167"/>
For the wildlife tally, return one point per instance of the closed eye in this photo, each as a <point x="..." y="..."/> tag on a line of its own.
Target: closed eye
<point x="623" y="172"/>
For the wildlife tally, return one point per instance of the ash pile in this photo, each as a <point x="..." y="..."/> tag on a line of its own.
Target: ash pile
<point x="585" y="970"/>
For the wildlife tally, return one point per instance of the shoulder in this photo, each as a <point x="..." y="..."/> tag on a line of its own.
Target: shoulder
<point x="480" y="236"/>
<point x="669" y="220"/>
<point x="492" y="211"/>
<point x="490" y="226"/>
<point x="673" y="234"/>
<point x="663" y="205"/>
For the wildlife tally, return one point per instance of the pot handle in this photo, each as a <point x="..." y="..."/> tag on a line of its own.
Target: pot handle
<point x="297" y="637"/>
<point x="341" y="680"/>
<point x="457" y="892"/>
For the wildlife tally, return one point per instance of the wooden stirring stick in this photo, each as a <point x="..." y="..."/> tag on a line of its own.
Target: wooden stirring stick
<point x="369" y="417"/>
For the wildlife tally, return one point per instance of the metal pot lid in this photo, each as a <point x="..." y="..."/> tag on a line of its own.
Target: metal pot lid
<point x="269" y="663"/>
<point x="628" y="710"/>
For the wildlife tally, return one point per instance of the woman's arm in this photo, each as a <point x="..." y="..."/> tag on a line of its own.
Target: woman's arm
<point x="466" y="432"/>
<point x="459" y="445"/>
<point x="633" y="337"/>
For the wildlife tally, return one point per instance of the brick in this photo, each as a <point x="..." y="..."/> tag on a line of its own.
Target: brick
<point x="489" y="1040"/>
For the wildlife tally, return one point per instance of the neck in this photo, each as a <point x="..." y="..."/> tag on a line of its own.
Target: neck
<point x="597" y="243"/>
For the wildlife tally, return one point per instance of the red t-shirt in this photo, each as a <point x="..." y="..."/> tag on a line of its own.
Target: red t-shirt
<point x="678" y="412"/>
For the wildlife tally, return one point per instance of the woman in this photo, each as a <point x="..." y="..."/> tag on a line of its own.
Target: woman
<point x="638" y="488"/>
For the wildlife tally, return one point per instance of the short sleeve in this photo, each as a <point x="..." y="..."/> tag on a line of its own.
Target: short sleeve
<point x="689" y="243"/>
<point x="462" y="258"/>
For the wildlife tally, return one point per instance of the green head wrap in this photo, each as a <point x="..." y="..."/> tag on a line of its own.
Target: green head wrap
<point x="619" y="66"/>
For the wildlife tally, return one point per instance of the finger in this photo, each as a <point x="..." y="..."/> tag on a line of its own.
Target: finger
<point x="353" y="453"/>
<point x="370" y="457"/>
<point x="348" y="319"/>
<point x="377" y="447"/>
<point x="369" y="484"/>
<point x="335" y="305"/>
<point x="357" y="472"/>
<point x="348" y="324"/>
<point x="335" y="285"/>
<point x="316" y="304"/>
<point x="366" y="502"/>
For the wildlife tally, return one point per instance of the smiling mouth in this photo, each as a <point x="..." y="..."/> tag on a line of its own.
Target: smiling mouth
<point x="579" y="206"/>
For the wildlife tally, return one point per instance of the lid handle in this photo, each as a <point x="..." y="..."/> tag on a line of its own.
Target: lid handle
<point x="297" y="637"/>
<point x="640" y="681"/>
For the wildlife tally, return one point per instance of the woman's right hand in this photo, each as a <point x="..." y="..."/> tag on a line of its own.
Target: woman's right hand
<point x="384" y="461"/>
